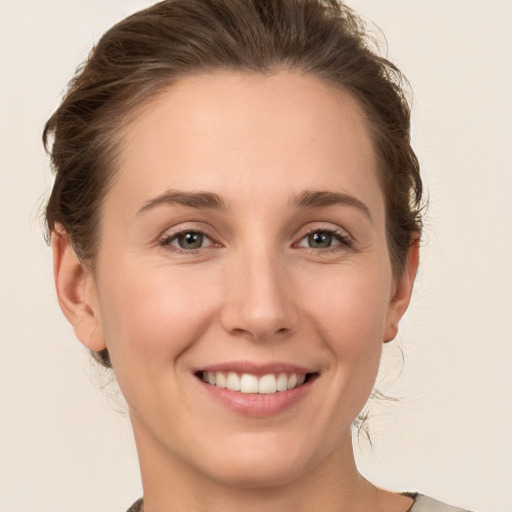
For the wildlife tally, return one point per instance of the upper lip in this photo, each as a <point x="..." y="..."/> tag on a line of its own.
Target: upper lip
<point x="259" y="369"/>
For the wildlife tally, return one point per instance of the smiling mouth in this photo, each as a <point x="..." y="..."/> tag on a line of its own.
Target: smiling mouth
<point x="268" y="384"/>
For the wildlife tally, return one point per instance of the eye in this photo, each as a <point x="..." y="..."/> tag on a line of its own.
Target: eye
<point x="324" y="239"/>
<point x="187" y="240"/>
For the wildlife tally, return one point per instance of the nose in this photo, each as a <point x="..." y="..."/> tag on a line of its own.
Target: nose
<point x="258" y="300"/>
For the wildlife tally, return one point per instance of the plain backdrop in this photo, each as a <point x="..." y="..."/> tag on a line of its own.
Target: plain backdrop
<point x="65" y="442"/>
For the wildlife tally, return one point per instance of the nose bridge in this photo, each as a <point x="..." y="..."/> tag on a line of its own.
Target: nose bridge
<point x="258" y="299"/>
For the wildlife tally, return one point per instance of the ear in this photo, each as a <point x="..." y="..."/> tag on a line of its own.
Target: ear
<point x="76" y="292"/>
<point x="402" y="292"/>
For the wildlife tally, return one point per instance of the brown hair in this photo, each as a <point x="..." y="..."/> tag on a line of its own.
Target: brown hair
<point x="148" y="51"/>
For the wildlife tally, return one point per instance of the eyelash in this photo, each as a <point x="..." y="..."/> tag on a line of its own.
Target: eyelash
<point x="167" y="241"/>
<point x="345" y="241"/>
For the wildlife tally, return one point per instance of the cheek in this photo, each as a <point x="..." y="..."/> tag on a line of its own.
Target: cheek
<point x="151" y="315"/>
<point x="346" y="313"/>
<point x="350" y="317"/>
<point x="352" y="308"/>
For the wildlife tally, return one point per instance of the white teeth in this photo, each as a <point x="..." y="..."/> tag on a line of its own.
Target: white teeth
<point x="248" y="383"/>
<point x="267" y="384"/>
<point x="282" y="382"/>
<point x="233" y="381"/>
<point x="220" y="379"/>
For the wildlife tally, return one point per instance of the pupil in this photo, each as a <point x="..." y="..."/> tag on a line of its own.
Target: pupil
<point x="190" y="240"/>
<point x="320" y="240"/>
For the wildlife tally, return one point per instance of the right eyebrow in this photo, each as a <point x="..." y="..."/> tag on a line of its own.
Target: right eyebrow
<point x="199" y="200"/>
<point x="319" y="198"/>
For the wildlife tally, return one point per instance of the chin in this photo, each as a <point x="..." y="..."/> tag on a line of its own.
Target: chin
<point x="268" y="463"/>
<point x="258" y="474"/>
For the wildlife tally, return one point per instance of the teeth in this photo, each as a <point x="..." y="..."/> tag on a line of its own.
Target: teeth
<point x="233" y="381"/>
<point x="220" y="379"/>
<point x="267" y="384"/>
<point x="248" y="383"/>
<point x="282" y="382"/>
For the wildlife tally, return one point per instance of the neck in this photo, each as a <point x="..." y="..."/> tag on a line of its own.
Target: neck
<point x="171" y="484"/>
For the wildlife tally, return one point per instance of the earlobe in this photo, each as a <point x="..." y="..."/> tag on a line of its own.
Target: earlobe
<point x="76" y="292"/>
<point x="402" y="292"/>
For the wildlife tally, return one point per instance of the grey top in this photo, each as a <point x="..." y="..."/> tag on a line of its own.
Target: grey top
<point x="421" y="504"/>
<point x="425" y="504"/>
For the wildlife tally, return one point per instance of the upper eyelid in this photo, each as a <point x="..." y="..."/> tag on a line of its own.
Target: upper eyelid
<point x="183" y="227"/>
<point x="331" y="228"/>
<point x="167" y="239"/>
<point x="166" y="242"/>
<point x="343" y="239"/>
<point x="211" y="233"/>
<point x="175" y="235"/>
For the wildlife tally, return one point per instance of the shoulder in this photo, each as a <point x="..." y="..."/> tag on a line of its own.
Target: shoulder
<point x="421" y="504"/>
<point x="426" y="504"/>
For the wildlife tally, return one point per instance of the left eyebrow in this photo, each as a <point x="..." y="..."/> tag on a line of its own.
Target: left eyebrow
<point x="199" y="200"/>
<point x="319" y="198"/>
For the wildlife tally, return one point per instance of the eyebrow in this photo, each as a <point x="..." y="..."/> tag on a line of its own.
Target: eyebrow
<point x="212" y="201"/>
<point x="200" y="200"/>
<point x="319" y="198"/>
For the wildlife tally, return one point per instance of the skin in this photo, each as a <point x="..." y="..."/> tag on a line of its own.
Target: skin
<point x="256" y="290"/>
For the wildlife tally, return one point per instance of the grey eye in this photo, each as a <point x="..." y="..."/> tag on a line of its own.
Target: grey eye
<point x="189" y="240"/>
<point x="320" y="240"/>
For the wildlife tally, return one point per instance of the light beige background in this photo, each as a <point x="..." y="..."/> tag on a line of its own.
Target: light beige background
<point x="63" y="444"/>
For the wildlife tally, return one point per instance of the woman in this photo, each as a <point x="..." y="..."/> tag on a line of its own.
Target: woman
<point x="235" y="225"/>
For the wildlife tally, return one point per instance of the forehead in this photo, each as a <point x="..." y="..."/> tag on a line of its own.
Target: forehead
<point x="250" y="133"/>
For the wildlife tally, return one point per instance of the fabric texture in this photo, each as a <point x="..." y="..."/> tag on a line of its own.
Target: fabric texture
<point x="421" y="504"/>
<point x="425" y="504"/>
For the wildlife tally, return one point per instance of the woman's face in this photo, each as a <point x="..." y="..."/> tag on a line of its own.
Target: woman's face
<point x="243" y="243"/>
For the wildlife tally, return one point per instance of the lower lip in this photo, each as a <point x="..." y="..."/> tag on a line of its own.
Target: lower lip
<point x="256" y="404"/>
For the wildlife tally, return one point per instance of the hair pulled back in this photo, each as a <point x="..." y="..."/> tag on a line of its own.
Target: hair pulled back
<point x="148" y="51"/>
